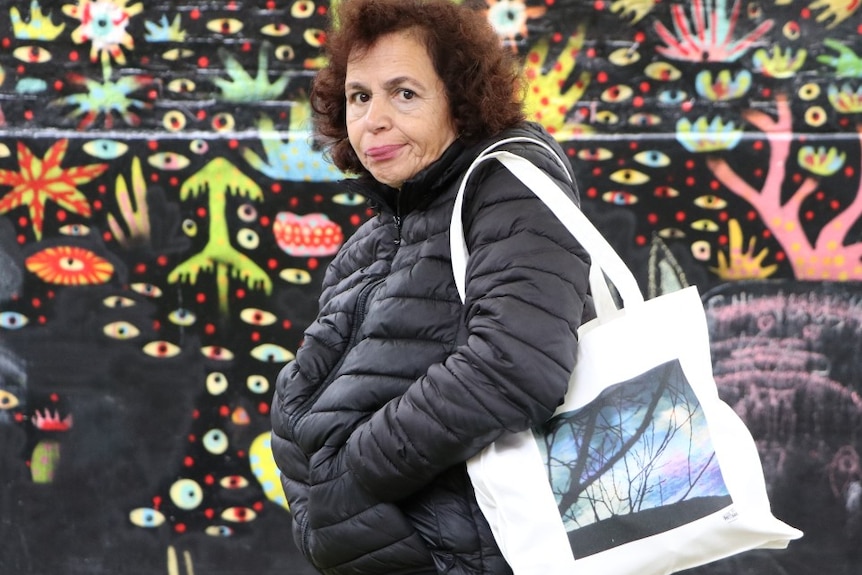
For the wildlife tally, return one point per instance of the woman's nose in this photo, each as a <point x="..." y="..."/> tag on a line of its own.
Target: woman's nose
<point x="378" y="115"/>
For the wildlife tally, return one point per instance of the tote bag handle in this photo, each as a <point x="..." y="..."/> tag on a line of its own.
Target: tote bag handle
<point x="605" y="260"/>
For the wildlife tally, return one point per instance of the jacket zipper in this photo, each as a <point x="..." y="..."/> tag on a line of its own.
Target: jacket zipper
<point x="397" y="219"/>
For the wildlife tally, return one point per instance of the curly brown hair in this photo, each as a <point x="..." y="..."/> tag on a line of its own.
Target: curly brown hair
<point x="482" y="79"/>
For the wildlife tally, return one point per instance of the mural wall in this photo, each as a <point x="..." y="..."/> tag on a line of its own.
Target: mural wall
<point x="165" y="221"/>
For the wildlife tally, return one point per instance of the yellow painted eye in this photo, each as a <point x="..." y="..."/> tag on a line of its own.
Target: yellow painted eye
<point x="174" y="121"/>
<point x="146" y="289"/>
<point x="255" y="316"/>
<point x="224" y="25"/>
<point x="8" y="400"/>
<point x="666" y="192"/>
<point x="276" y="29"/>
<point x="75" y="230"/>
<point x="662" y="71"/>
<point x="190" y="228"/>
<point x="271" y="353"/>
<point x="705" y="226"/>
<point x="181" y="86"/>
<point x="217" y="352"/>
<point x="644" y="120"/>
<point x="121" y="330"/>
<point x="13" y="320"/>
<point x="791" y="30"/>
<point x="710" y="202"/>
<point x="595" y="154"/>
<point x="218" y="531"/>
<point x="105" y="149"/>
<point x="618" y="93"/>
<point x="755" y="11"/>
<point x="284" y="53"/>
<point x="629" y="176"/>
<point x="217" y="383"/>
<point x="248" y="239"/>
<point x="809" y="91"/>
<point x="215" y="441"/>
<point x="162" y="349"/>
<point x="295" y="276"/>
<point x="233" y="482"/>
<point x="177" y="53"/>
<point x="302" y="9"/>
<point x="239" y="514"/>
<point x="146" y="517"/>
<point x="186" y="494"/>
<point x="620" y="198"/>
<point x="223" y="122"/>
<point x="118" y="301"/>
<point x="624" y="56"/>
<point x="32" y="54"/>
<point x="257" y="384"/>
<point x="652" y="158"/>
<point x="671" y="233"/>
<point x="168" y="161"/>
<point x="815" y="116"/>
<point x="314" y="37"/>
<point x="607" y="117"/>
<point x="348" y="199"/>
<point x="182" y="317"/>
<point x="198" y="146"/>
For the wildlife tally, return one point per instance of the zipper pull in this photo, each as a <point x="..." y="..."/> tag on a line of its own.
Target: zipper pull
<point x="397" y="219"/>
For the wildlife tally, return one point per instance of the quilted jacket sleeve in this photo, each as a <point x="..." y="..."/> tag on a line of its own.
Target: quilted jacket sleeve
<point x="527" y="281"/>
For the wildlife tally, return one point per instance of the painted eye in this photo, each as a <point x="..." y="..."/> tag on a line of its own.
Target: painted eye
<point x="666" y="192"/>
<point x="182" y="317"/>
<point x="75" y="230"/>
<point x="620" y="198"/>
<point x="32" y="54"/>
<point x="595" y="154"/>
<point x="239" y="514"/>
<point x="314" y="37"/>
<point x="186" y="493"/>
<point x="105" y="149"/>
<point x="618" y="93"/>
<point x="815" y="116"/>
<point x="257" y="384"/>
<point x="217" y="383"/>
<point x="215" y="441"/>
<point x="671" y="233"/>
<point x="255" y="316"/>
<point x="809" y="91"/>
<point x="652" y="158"/>
<point x="247" y="239"/>
<point x="146" y="517"/>
<point x="181" y="86"/>
<point x="174" y="121"/>
<point x="168" y="161"/>
<point x="199" y="146"/>
<point x="710" y="202"/>
<point x="607" y="117"/>
<point x="190" y="228"/>
<point x="247" y="213"/>
<point x="223" y="122"/>
<point x="348" y="199"/>
<point x="271" y="353"/>
<point x="13" y="320"/>
<point x="146" y="289"/>
<point x="672" y="97"/>
<point x="5" y="152"/>
<point x="641" y="119"/>
<point x="629" y="176"/>
<point x="162" y="349"/>
<point x="705" y="226"/>
<point x="8" y="400"/>
<point x="218" y="531"/>
<point x="224" y="25"/>
<point x="791" y="30"/>
<point x="755" y="11"/>
<point x="624" y="56"/>
<point x="177" y="53"/>
<point x="284" y="53"/>
<point x="701" y="250"/>
<point x="302" y="9"/>
<point x="217" y="352"/>
<point x="276" y="29"/>
<point x="118" y="301"/>
<point x="295" y="276"/>
<point x="233" y="482"/>
<point x="121" y="330"/>
<point x="662" y="71"/>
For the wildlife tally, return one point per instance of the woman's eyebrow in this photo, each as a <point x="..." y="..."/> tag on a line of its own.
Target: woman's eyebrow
<point x="388" y="85"/>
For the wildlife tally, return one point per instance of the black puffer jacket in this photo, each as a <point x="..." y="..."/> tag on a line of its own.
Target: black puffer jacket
<point x="397" y="384"/>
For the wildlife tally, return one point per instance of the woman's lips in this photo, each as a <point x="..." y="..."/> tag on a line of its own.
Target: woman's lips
<point x="381" y="153"/>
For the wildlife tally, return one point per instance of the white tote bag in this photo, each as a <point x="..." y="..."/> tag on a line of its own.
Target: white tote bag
<point x="643" y="470"/>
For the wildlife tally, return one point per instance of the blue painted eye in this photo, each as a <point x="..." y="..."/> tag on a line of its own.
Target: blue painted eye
<point x="13" y="320"/>
<point x="215" y="441"/>
<point x="75" y="230"/>
<point x="257" y="384"/>
<point x="672" y="96"/>
<point x="272" y="353"/>
<point x="348" y="199"/>
<point x="106" y="149"/>
<point x="121" y="330"/>
<point x="620" y="198"/>
<point x="652" y="158"/>
<point x="186" y="493"/>
<point x="295" y="276"/>
<point x="146" y="289"/>
<point x="219" y="531"/>
<point x="183" y="317"/>
<point x="118" y="301"/>
<point x="146" y="517"/>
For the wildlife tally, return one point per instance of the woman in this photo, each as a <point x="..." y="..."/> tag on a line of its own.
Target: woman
<point x="397" y="383"/>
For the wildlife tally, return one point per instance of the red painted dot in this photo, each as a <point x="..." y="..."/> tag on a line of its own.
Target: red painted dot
<point x="36" y="303"/>
<point x="203" y="62"/>
<point x="233" y="144"/>
<point x="162" y="260"/>
<point x="286" y="324"/>
<point x="188" y="461"/>
<point x="192" y="438"/>
<point x="652" y="218"/>
<point x="195" y="14"/>
<point x="275" y="187"/>
<point x="141" y="268"/>
<point x="240" y="293"/>
<point x="180" y="527"/>
<point x="58" y="85"/>
<point x="224" y="411"/>
<point x="313" y="263"/>
<point x="201" y="212"/>
<point x="74" y="56"/>
<point x="680" y="216"/>
<point x="602" y="77"/>
<point x="201" y="115"/>
<point x="201" y="298"/>
<point x="641" y="240"/>
<point x="210" y="329"/>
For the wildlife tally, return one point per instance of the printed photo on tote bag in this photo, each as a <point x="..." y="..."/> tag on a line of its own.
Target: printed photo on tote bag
<point x="643" y="470"/>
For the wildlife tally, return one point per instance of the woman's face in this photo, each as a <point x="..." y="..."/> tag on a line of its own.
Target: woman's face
<point x="398" y="117"/>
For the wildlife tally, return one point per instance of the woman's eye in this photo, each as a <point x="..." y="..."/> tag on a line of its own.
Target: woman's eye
<point x="408" y="94"/>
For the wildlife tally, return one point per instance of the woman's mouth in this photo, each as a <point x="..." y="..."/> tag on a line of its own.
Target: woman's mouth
<point x="382" y="153"/>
